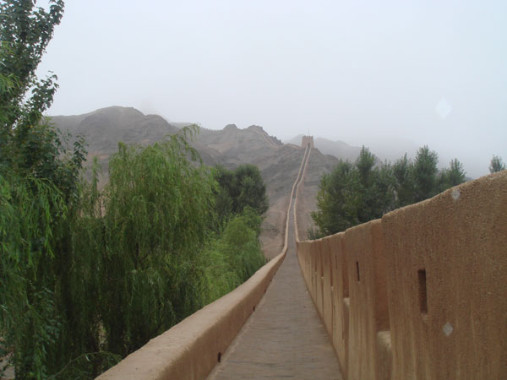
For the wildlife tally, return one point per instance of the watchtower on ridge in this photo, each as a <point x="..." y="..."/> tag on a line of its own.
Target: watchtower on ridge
<point x="307" y="140"/>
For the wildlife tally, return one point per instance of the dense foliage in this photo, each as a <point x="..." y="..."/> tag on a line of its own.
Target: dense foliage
<point x="240" y="188"/>
<point x="233" y="256"/>
<point x="155" y="238"/>
<point x="119" y="266"/>
<point x="88" y="275"/>
<point x="355" y="193"/>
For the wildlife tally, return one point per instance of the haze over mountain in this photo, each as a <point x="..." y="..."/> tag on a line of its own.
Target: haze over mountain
<point x="335" y="148"/>
<point x="231" y="146"/>
<point x="370" y="73"/>
<point x="278" y="162"/>
<point x="103" y="129"/>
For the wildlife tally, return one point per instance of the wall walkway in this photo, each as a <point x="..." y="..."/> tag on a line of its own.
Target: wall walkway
<point x="284" y="338"/>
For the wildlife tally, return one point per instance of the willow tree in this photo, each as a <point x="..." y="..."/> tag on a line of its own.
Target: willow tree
<point x="39" y="189"/>
<point x="159" y="212"/>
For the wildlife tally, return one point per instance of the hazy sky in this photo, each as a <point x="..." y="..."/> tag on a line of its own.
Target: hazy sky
<point x="365" y="72"/>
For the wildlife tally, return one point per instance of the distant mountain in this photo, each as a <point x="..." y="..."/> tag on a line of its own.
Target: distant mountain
<point x="238" y="146"/>
<point x="279" y="163"/>
<point x="104" y="128"/>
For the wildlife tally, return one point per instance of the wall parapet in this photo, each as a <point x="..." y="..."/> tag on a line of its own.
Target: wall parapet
<point x="420" y="293"/>
<point x="191" y="349"/>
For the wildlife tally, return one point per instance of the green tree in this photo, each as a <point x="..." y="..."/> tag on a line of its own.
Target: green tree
<point x="240" y="188"/>
<point x="354" y="193"/>
<point x="159" y="211"/>
<point x="38" y="177"/>
<point x="224" y="201"/>
<point x="375" y="189"/>
<point x="234" y="256"/>
<point x="452" y="176"/>
<point x="496" y="164"/>
<point x="403" y="181"/>
<point x="425" y="174"/>
<point x="241" y="244"/>
<point x="364" y="164"/>
<point x="249" y="189"/>
<point x="337" y="199"/>
<point x="30" y="212"/>
<point x="29" y="145"/>
<point x="25" y="32"/>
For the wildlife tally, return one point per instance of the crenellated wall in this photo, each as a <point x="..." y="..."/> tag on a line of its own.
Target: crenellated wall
<point x="421" y="293"/>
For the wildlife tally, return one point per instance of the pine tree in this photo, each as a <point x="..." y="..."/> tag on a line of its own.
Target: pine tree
<point x="496" y="164"/>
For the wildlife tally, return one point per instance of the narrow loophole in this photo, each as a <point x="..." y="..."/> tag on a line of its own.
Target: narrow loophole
<point x="253" y="309"/>
<point x="357" y="271"/>
<point x="423" y="292"/>
<point x="219" y="358"/>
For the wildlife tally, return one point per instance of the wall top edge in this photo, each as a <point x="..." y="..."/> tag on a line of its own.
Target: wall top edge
<point x="491" y="180"/>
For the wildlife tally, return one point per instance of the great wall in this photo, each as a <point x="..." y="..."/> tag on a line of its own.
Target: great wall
<point x="419" y="294"/>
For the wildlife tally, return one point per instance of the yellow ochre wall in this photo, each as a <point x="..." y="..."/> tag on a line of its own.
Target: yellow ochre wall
<point x="421" y="293"/>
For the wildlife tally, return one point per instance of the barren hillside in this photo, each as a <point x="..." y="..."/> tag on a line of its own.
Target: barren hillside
<point x="230" y="147"/>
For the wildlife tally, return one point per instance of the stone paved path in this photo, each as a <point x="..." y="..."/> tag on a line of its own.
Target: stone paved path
<point x="284" y="338"/>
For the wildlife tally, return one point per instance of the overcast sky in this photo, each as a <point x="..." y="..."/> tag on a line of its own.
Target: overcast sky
<point x="365" y="72"/>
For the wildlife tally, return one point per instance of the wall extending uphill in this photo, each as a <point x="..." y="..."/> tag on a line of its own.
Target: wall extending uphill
<point x="192" y="348"/>
<point x="421" y="293"/>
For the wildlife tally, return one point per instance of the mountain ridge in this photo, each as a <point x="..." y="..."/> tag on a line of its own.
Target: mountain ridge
<point x="230" y="147"/>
